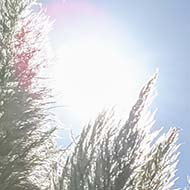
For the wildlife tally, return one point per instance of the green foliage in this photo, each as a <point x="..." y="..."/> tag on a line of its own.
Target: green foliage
<point x="24" y="128"/>
<point x="111" y="155"/>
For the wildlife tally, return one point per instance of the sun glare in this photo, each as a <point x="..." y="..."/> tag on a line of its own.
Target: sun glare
<point x="92" y="69"/>
<point x="92" y="75"/>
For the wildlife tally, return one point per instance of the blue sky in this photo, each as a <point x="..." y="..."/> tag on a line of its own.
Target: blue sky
<point x="155" y="34"/>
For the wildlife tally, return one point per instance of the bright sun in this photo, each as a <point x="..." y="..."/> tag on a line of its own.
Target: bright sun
<point x="95" y="68"/>
<point x="91" y="75"/>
